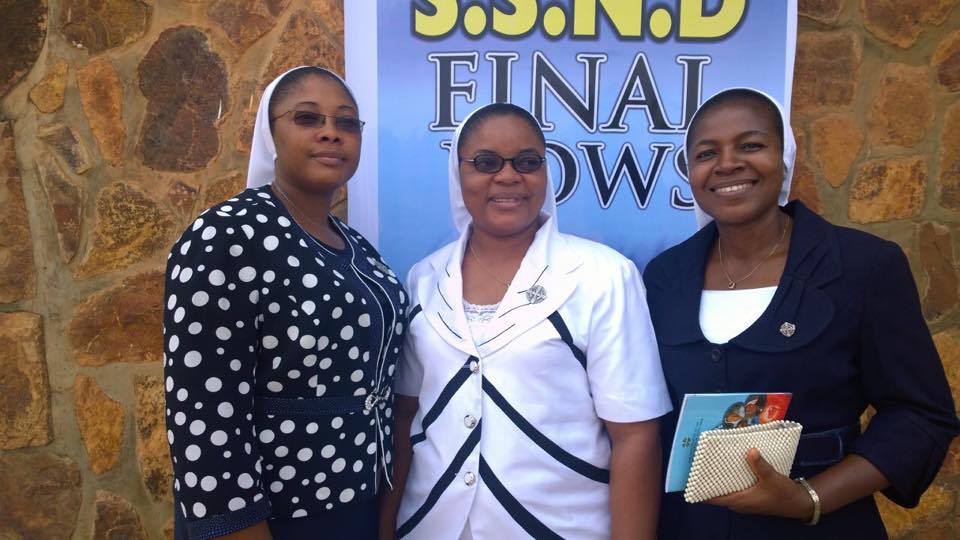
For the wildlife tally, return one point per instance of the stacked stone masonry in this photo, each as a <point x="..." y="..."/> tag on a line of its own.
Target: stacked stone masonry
<point x="122" y="119"/>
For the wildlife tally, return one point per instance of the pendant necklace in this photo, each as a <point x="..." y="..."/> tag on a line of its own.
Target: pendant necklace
<point x="535" y="294"/>
<point x="484" y="268"/>
<point x="300" y="212"/>
<point x="732" y="283"/>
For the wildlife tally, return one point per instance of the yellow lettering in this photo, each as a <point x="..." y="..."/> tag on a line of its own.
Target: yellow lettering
<point x="626" y="16"/>
<point x="519" y="22"/>
<point x="693" y="24"/>
<point x="440" y="23"/>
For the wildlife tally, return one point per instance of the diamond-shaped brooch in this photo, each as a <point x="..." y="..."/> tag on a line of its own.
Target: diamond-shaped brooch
<point x="788" y="329"/>
<point x="536" y="294"/>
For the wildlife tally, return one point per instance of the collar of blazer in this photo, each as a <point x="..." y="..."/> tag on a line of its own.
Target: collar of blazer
<point x="549" y="267"/>
<point x="799" y="311"/>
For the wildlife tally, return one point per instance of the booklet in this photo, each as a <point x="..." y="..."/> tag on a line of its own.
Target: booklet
<point x="703" y="412"/>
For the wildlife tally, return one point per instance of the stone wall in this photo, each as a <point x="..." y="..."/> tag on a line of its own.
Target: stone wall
<point x="121" y="119"/>
<point x="876" y="111"/>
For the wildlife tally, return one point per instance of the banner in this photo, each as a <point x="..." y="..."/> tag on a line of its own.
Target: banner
<point x="613" y="83"/>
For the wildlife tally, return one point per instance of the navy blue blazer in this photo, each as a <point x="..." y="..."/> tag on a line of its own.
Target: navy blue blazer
<point x="860" y="340"/>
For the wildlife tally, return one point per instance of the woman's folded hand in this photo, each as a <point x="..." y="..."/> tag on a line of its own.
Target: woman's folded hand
<point x="773" y="495"/>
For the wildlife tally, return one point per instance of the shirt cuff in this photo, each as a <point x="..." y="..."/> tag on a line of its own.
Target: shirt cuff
<point x="904" y="452"/>
<point x="224" y="524"/>
<point x="631" y="410"/>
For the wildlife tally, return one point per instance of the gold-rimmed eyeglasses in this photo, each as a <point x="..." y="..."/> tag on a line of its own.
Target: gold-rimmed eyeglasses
<point x="313" y="119"/>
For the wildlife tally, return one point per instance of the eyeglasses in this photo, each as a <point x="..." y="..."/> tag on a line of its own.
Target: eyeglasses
<point x="311" y="119"/>
<point x="490" y="163"/>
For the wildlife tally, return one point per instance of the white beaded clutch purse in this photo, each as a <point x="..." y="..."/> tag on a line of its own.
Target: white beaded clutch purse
<point x="720" y="460"/>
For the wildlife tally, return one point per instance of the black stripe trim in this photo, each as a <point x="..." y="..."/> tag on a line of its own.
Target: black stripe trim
<point x="535" y="281"/>
<point x="540" y="276"/>
<point x="445" y="396"/>
<point x="561" y="327"/>
<point x="413" y="313"/>
<point x="448" y="326"/>
<point x="498" y="335"/>
<point x="448" y="475"/>
<point x="441" y="296"/>
<point x="504" y="314"/>
<point x="573" y="462"/>
<point x="521" y="515"/>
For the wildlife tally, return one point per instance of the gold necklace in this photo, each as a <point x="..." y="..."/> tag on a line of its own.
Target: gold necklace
<point x="484" y="268"/>
<point x="733" y="282"/>
<point x="302" y="214"/>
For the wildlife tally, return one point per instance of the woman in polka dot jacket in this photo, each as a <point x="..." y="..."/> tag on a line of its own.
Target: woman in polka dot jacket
<point x="282" y="328"/>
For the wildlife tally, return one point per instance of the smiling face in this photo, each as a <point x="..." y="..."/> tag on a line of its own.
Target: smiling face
<point x="314" y="156"/>
<point x="505" y="203"/>
<point x="736" y="166"/>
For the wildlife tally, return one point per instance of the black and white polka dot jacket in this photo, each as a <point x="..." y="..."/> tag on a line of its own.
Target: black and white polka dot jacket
<point x="279" y="363"/>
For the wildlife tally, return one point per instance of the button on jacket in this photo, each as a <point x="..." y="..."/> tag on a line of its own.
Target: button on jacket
<point x="843" y="331"/>
<point x="279" y="362"/>
<point x="510" y="430"/>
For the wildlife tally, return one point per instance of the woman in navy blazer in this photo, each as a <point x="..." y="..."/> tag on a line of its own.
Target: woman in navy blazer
<point x="840" y="327"/>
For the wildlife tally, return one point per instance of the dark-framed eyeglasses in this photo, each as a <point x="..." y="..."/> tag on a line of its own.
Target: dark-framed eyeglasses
<point x="313" y="119"/>
<point x="490" y="163"/>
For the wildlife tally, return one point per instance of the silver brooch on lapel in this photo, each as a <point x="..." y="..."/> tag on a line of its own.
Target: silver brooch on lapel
<point x="788" y="329"/>
<point x="536" y="294"/>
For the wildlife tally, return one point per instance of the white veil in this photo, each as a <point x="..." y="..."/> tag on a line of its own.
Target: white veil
<point x="789" y="149"/>
<point x="458" y="210"/>
<point x="260" y="171"/>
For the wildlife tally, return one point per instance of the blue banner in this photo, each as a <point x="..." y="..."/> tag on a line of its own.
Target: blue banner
<point x="613" y="83"/>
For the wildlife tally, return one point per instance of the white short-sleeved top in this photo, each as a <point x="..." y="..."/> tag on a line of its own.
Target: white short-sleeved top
<point x="510" y="429"/>
<point x="724" y="315"/>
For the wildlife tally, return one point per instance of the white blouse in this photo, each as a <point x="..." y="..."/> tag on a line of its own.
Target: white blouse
<point x="510" y="430"/>
<point x="724" y="315"/>
<point x="478" y="318"/>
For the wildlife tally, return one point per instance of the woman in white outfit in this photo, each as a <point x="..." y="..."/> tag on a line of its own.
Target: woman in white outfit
<point x="530" y="388"/>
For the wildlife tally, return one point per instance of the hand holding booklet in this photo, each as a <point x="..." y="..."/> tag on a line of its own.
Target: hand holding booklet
<point x="714" y="432"/>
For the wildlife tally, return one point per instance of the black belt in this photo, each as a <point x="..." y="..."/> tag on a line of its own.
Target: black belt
<point x="825" y="447"/>
<point x="320" y="406"/>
